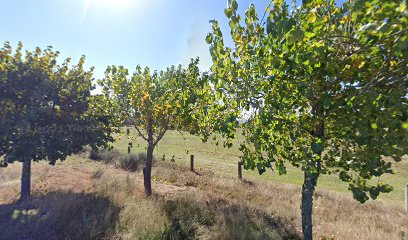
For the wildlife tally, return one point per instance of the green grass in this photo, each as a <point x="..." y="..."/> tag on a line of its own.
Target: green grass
<point x="210" y="156"/>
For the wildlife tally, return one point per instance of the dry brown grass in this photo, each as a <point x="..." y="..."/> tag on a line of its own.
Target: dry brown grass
<point x="336" y="216"/>
<point x="98" y="201"/>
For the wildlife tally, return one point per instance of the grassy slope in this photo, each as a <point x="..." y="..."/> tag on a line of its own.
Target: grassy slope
<point x="83" y="199"/>
<point x="219" y="159"/>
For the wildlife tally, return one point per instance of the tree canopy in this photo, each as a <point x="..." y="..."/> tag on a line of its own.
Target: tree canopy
<point x="47" y="111"/>
<point x="326" y="85"/>
<point x="154" y="102"/>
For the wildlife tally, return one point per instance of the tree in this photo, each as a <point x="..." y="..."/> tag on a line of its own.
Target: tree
<point x="154" y="102"/>
<point x="46" y="109"/>
<point x="326" y="86"/>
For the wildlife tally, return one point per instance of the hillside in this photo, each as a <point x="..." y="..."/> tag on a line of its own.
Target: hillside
<point x="84" y="199"/>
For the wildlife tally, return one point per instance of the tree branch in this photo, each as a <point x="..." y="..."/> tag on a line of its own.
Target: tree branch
<point x="140" y="133"/>
<point x="161" y="134"/>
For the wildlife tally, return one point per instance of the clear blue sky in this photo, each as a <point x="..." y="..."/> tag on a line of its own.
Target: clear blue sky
<point x="156" y="33"/>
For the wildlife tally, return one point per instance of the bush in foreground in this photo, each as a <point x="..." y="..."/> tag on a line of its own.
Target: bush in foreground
<point x="132" y="162"/>
<point x="104" y="155"/>
<point x="129" y="162"/>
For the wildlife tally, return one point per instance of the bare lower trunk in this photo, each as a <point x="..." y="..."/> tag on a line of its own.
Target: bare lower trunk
<point x="26" y="179"/>
<point x="310" y="179"/>
<point x="147" y="171"/>
<point x="308" y="188"/>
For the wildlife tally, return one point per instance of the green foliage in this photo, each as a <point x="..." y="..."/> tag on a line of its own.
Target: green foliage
<point x="156" y="101"/>
<point x="46" y="108"/>
<point x="326" y="87"/>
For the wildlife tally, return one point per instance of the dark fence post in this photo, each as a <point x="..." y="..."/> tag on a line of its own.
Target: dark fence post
<point x="192" y="163"/>
<point x="239" y="170"/>
<point x="129" y="146"/>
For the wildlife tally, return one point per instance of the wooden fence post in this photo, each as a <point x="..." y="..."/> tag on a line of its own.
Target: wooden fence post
<point x="192" y="163"/>
<point x="239" y="170"/>
<point x="129" y="146"/>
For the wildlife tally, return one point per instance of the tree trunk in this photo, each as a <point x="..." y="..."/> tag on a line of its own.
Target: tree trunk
<point x="310" y="179"/>
<point x="26" y="180"/>
<point x="147" y="170"/>
<point x="308" y="188"/>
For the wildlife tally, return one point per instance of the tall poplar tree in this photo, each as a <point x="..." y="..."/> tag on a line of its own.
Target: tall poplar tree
<point x="327" y="87"/>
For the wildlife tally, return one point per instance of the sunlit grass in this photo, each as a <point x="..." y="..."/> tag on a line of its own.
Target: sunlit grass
<point x="87" y="199"/>
<point x="210" y="156"/>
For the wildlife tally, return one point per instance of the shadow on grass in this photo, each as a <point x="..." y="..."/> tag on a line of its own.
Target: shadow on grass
<point x="220" y="219"/>
<point x="59" y="215"/>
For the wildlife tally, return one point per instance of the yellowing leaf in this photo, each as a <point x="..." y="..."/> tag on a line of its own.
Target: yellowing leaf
<point x="393" y="63"/>
<point x="146" y="95"/>
<point x="402" y="7"/>
<point x="278" y="2"/>
<point x="311" y="17"/>
<point x="359" y="63"/>
<point x="343" y="19"/>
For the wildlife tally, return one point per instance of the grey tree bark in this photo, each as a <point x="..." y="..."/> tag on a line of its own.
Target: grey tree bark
<point x="147" y="171"/>
<point x="309" y="184"/>
<point x="26" y="179"/>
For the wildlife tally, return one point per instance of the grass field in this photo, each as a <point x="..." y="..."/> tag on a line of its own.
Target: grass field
<point x="84" y="199"/>
<point x="224" y="160"/>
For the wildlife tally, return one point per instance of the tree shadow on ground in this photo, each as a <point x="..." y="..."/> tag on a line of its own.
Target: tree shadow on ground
<point x="217" y="218"/>
<point x="59" y="215"/>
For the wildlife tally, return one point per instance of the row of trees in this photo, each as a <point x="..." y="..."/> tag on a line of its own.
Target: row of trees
<point x="325" y="88"/>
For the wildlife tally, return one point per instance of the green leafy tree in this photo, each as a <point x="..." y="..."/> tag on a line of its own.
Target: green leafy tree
<point x="154" y="102"/>
<point x="326" y="87"/>
<point x="46" y="109"/>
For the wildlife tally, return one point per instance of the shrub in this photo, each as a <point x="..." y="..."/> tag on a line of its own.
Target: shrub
<point x="104" y="155"/>
<point x="132" y="162"/>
